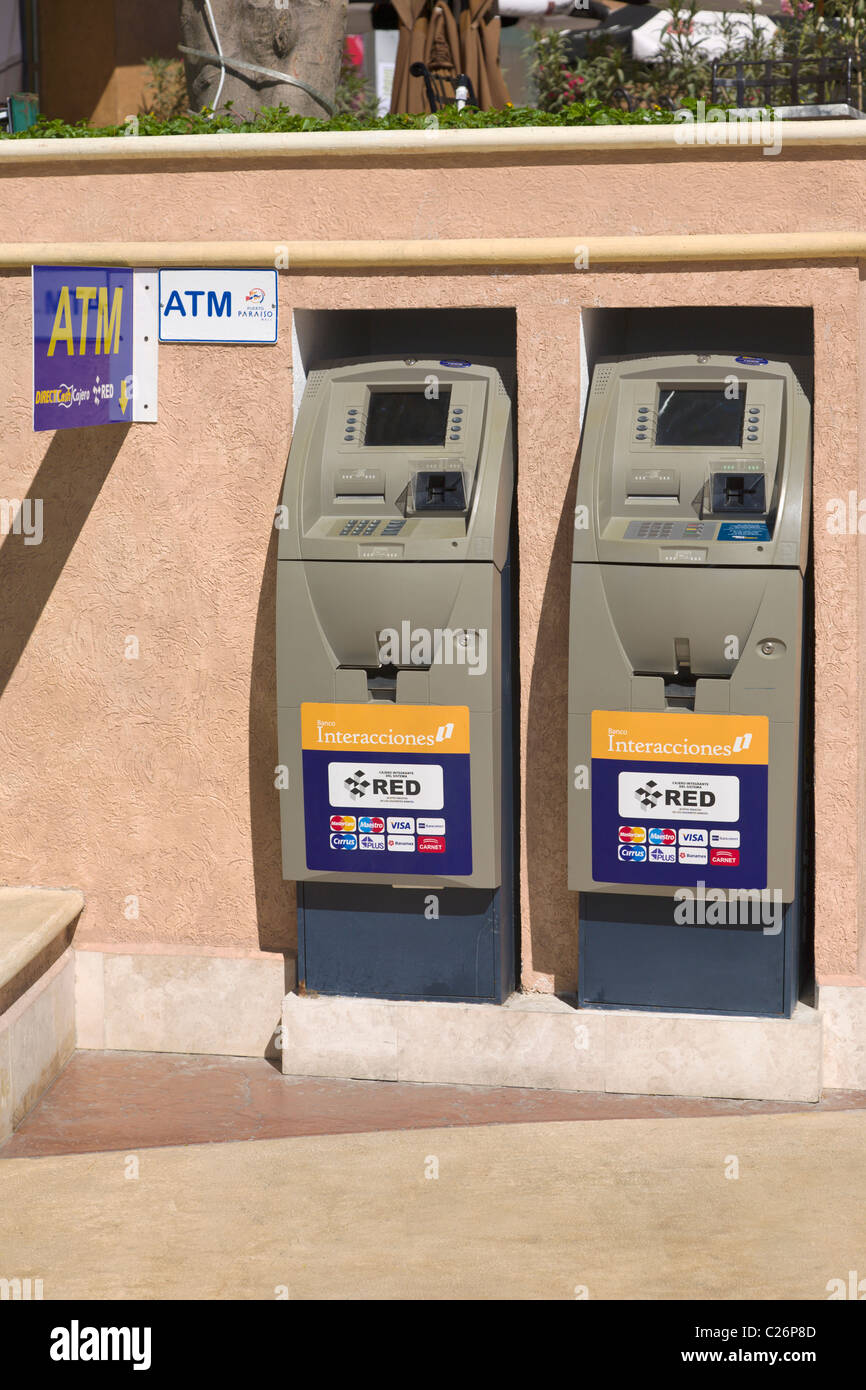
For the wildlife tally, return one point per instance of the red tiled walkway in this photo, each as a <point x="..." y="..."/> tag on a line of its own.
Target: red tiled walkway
<point x="127" y="1100"/>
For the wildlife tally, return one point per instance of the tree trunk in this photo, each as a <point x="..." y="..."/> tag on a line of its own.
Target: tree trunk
<point x="303" y="38"/>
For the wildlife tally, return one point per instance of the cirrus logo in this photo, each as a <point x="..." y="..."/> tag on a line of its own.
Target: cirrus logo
<point x="632" y="853"/>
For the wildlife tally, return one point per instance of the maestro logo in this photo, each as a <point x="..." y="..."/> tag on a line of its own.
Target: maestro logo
<point x="255" y="296"/>
<point x="662" y="835"/>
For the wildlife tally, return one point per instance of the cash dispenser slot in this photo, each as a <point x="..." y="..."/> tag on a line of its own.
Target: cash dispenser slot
<point x="359" y="485"/>
<point x="680" y="691"/>
<point x="657" y="486"/>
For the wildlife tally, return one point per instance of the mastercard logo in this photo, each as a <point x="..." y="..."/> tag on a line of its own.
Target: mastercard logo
<point x="632" y="835"/>
<point x="339" y="823"/>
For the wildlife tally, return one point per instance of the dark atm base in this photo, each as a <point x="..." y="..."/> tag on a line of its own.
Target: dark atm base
<point x="375" y="941"/>
<point x="634" y="956"/>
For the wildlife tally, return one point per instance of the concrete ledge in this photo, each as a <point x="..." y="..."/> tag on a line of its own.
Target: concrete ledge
<point x="541" y="1041"/>
<point x="36" y="926"/>
<point x="383" y="146"/>
<point x="843" y="1009"/>
<point x="37" y="1038"/>
<point x="164" y="999"/>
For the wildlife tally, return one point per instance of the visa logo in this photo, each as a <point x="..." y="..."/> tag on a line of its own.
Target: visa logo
<point x="693" y="837"/>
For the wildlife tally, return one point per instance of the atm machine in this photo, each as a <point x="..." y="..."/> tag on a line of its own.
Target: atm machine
<point x="687" y="668"/>
<point x="394" y="680"/>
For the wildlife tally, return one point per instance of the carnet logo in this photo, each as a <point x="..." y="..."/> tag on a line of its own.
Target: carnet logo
<point x="648" y="796"/>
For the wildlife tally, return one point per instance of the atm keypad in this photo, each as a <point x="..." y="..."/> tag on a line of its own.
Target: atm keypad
<point x="669" y="530"/>
<point x="361" y="528"/>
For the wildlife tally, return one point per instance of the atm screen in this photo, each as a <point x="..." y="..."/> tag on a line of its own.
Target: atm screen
<point x="407" y="418"/>
<point x="698" y="418"/>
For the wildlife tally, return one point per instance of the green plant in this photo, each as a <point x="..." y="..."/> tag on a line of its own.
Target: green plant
<point x="165" y="95"/>
<point x="682" y="73"/>
<point x="354" y="96"/>
<point x="280" y="119"/>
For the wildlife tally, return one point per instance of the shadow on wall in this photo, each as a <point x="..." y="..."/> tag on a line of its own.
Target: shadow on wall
<point x="64" y="488"/>
<point x="276" y="905"/>
<point x="67" y="484"/>
<point x="552" y="908"/>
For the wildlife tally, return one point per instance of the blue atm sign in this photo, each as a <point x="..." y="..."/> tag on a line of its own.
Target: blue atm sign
<point x="82" y="346"/>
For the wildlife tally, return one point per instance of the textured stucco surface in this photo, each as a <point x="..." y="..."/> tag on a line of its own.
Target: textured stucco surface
<point x="154" y="777"/>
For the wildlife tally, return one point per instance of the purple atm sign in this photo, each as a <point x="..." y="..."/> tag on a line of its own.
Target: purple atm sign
<point x="82" y="346"/>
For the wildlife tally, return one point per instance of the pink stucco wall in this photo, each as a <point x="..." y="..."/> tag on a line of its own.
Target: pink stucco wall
<point x="153" y="777"/>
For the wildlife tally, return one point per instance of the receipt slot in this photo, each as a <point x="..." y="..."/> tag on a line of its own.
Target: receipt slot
<point x="686" y="679"/>
<point x="394" y="681"/>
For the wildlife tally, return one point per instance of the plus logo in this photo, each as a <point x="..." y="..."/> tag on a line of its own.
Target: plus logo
<point x="648" y="796"/>
<point x="356" y="785"/>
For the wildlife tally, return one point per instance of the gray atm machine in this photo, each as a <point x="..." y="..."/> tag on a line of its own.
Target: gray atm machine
<point x="686" y="681"/>
<point x="394" y="680"/>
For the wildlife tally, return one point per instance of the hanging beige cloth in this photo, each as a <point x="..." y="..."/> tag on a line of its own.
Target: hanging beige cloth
<point x="429" y="33"/>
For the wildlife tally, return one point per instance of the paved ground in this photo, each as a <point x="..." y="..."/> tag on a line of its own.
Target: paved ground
<point x="377" y="1190"/>
<point x="633" y="1209"/>
<point x="123" y="1100"/>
